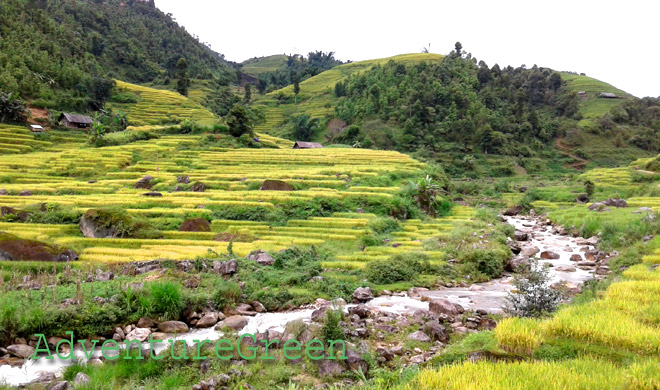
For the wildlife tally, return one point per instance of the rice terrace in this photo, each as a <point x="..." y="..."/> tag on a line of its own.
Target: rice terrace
<point x="172" y="219"/>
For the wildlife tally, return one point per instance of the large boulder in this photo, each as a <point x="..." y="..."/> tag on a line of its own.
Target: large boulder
<point x="436" y="331"/>
<point x="234" y="323"/>
<point x="363" y="294"/>
<point x="13" y="248"/>
<point x="276" y="185"/>
<point x="419" y="336"/>
<point x="261" y="257"/>
<point x="195" y="225"/>
<point x="173" y="327"/>
<point x="517" y="264"/>
<point x="229" y="267"/>
<point x="514" y="210"/>
<point x="184" y="179"/>
<point x="140" y="334"/>
<point x="198" y="187"/>
<point x="355" y="362"/>
<point x="21" y="350"/>
<point x="611" y="202"/>
<point x="443" y="306"/>
<point x="100" y="223"/>
<point x="519" y="235"/>
<point x="549" y="255"/>
<point x="329" y="367"/>
<point x="144" y="183"/>
<point x="207" y="320"/>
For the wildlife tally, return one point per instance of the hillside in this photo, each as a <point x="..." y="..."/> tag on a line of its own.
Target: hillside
<point x="59" y="52"/>
<point x="260" y="65"/>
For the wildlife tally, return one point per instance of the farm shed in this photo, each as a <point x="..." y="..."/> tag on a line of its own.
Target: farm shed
<point x="73" y="121"/>
<point x="608" y="95"/>
<point x="306" y="145"/>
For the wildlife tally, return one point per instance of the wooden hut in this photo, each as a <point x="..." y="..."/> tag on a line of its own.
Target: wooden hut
<point x="73" y="121"/>
<point x="306" y="145"/>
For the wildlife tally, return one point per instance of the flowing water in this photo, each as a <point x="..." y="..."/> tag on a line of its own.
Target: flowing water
<point x="489" y="296"/>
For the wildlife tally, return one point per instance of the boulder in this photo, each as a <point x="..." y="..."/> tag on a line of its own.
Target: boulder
<point x="565" y="268"/>
<point x="519" y="235"/>
<point x="144" y="183"/>
<point x="93" y="224"/>
<point x="514" y="210"/>
<point x="207" y="320"/>
<point x="355" y="362"/>
<point x="360" y="310"/>
<point x="582" y="198"/>
<point x="184" y="179"/>
<point x="198" y="187"/>
<point x="139" y="334"/>
<point x="601" y="206"/>
<point x="225" y="267"/>
<point x="517" y="264"/>
<point x="529" y="251"/>
<point x="436" y="331"/>
<point x="259" y="307"/>
<point x="3" y="191"/>
<point x="195" y="225"/>
<point x="319" y="314"/>
<point x="419" y="336"/>
<point x="363" y="294"/>
<point x="443" y="306"/>
<point x="81" y="379"/>
<point x="21" y="350"/>
<point x="330" y="368"/>
<point x="145" y="322"/>
<point x="25" y="193"/>
<point x="234" y="323"/>
<point x="61" y="385"/>
<point x="576" y="257"/>
<point x="276" y="185"/>
<point x="153" y="194"/>
<point x="261" y="257"/>
<point x="173" y="327"/>
<point x="13" y="248"/>
<point x="549" y="255"/>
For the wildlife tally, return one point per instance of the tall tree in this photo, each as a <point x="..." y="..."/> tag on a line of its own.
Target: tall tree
<point x="183" y="82"/>
<point x="296" y="89"/>
<point x="239" y="121"/>
<point x="248" y="93"/>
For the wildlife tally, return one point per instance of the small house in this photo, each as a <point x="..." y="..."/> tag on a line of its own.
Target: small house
<point x="608" y="95"/>
<point x="36" y="128"/>
<point x="582" y="93"/>
<point x="306" y="145"/>
<point x="73" y="121"/>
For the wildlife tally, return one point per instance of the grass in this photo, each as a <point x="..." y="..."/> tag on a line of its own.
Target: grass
<point x="257" y="66"/>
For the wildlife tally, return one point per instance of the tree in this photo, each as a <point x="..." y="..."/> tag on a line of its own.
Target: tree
<point x="239" y="121"/>
<point x="183" y="82"/>
<point x="296" y="89"/>
<point x="248" y="93"/>
<point x="589" y="188"/>
<point x="458" y="49"/>
<point x="532" y="296"/>
<point x="304" y="127"/>
<point x="426" y="191"/>
<point x="12" y="109"/>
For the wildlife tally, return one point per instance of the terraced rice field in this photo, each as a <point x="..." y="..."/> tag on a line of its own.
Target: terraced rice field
<point x="86" y="178"/>
<point x="160" y="107"/>
<point x="16" y="139"/>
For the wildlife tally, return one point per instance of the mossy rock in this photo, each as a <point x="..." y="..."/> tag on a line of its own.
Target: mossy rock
<point x="195" y="225"/>
<point x="100" y="223"/>
<point x="276" y="185"/>
<point x="13" y="248"/>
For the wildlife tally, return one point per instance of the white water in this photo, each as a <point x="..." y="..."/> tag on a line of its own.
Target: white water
<point x="488" y="296"/>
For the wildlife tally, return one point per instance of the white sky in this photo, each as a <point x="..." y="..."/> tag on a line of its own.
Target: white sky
<point x="614" y="41"/>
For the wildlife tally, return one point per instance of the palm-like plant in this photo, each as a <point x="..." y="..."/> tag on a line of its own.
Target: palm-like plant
<point x="426" y="194"/>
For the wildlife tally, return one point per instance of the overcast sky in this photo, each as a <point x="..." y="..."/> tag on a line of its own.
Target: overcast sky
<point x="614" y="41"/>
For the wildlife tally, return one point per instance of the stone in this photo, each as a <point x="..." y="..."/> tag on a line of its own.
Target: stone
<point x="25" y="193"/>
<point x="582" y="198"/>
<point x="61" y="385"/>
<point x="443" y="306"/>
<point x="330" y="368"/>
<point x="195" y="225"/>
<point x="611" y="202"/>
<point x="21" y="350"/>
<point x="586" y="263"/>
<point x="529" y="251"/>
<point x="360" y="310"/>
<point x="207" y="320"/>
<point x="173" y="327"/>
<point x="576" y="257"/>
<point x="319" y="314"/>
<point x="234" y="323"/>
<point x="419" y="336"/>
<point x="198" y="187"/>
<point x="184" y="179"/>
<point x="139" y="334"/>
<point x="436" y="331"/>
<point x="549" y="255"/>
<point x="144" y="183"/>
<point x="93" y="227"/>
<point x="517" y="264"/>
<point x="387" y="354"/>
<point x="520" y="235"/>
<point x="565" y="268"/>
<point x="261" y="257"/>
<point x="355" y="362"/>
<point x="4" y="192"/>
<point x="145" y="322"/>
<point x="363" y="294"/>
<point x="225" y="267"/>
<point x="259" y="307"/>
<point x="81" y="379"/>
<point x="515" y="210"/>
<point x="417" y="359"/>
<point x="276" y="185"/>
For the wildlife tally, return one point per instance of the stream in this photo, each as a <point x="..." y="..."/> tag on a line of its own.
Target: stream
<point x="489" y="296"/>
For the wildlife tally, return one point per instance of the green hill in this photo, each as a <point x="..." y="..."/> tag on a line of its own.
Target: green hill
<point x="259" y="65"/>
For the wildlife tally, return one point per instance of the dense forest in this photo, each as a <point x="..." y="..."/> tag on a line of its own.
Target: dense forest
<point x="61" y="53"/>
<point x="458" y="104"/>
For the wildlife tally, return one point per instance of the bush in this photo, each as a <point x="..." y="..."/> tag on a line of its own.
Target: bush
<point x="487" y="262"/>
<point x="331" y="330"/>
<point x="227" y="295"/>
<point x="384" y="225"/>
<point x="398" y="268"/>
<point x="167" y="300"/>
<point x="533" y="296"/>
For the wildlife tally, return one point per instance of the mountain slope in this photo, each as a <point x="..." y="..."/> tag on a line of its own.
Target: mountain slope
<point x="259" y="65"/>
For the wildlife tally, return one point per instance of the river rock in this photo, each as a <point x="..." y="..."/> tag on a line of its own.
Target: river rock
<point x="436" y="331"/>
<point x="207" y="320"/>
<point x="355" y="362"/>
<point x="173" y="327"/>
<point x="360" y="310"/>
<point x="259" y="307"/>
<point x="261" y="257"/>
<point x="139" y="334"/>
<point x="586" y="263"/>
<point x="363" y="294"/>
<point x="517" y="264"/>
<point x="529" y="251"/>
<point x="519" y="235"/>
<point x="576" y="257"/>
<point x="514" y="210"/>
<point x="61" y="385"/>
<point x="319" y="314"/>
<point x="565" y="268"/>
<point x="234" y="323"/>
<point x="145" y="322"/>
<point x="81" y="379"/>
<point x="443" y="306"/>
<point x="21" y="350"/>
<point x="549" y="255"/>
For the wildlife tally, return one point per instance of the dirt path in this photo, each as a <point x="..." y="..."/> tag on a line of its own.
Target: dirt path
<point x="579" y="164"/>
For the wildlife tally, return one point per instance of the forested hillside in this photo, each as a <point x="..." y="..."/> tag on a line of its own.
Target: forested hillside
<point x="62" y="52"/>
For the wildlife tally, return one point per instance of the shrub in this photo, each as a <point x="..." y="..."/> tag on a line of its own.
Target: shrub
<point x="488" y="262"/>
<point x="398" y="268"/>
<point x="330" y="329"/>
<point x="384" y="225"/>
<point x="167" y="299"/>
<point x="533" y="296"/>
<point x="227" y="295"/>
